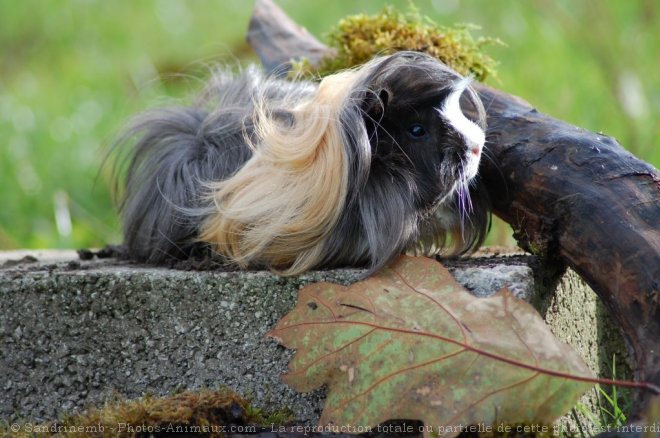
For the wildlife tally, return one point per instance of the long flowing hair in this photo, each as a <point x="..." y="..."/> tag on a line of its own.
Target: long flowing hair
<point x="289" y="175"/>
<point x="281" y="205"/>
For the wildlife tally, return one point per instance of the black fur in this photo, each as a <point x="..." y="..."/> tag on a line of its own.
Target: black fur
<point x="403" y="193"/>
<point x="178" y="150"/>
<point x="400" y="193"/>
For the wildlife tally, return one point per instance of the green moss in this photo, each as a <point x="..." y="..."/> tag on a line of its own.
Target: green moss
<point x="279" y="417"/>
<point x="203" y="413"/>
<point x="358" y="38"/>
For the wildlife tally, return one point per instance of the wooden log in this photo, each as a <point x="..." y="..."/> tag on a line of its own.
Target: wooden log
<point x="277" y="39"/>
<point x="579" y="198"/>
<point x="572" y="196"/>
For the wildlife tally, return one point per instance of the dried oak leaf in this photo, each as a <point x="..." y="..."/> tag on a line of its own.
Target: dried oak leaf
<point x="411" y="343"/>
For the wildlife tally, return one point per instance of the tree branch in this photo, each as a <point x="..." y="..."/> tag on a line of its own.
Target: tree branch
<point x="570" y="195"/>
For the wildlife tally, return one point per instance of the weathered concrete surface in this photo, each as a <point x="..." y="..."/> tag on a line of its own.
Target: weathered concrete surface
<point x="73" y="333"/>
<point x="576" y="315"/>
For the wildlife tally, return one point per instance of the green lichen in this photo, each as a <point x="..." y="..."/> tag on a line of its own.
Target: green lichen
<point x="358" y="38"/>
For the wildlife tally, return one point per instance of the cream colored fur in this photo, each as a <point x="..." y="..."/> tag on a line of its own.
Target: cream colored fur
<point x="278" y="209"/>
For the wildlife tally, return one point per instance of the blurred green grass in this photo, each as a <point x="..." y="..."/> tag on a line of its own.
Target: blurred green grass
<point x="71" y="72"/>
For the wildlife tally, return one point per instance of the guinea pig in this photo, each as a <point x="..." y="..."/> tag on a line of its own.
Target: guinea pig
<point x="297" y="175"/>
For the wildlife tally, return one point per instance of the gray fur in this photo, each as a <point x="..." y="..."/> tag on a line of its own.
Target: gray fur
<point x="400" y="198"/>
<point x="180" y="149"/>
<point x="399" y="206"/>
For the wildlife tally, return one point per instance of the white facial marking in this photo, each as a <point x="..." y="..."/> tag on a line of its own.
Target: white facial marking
<point x="472" y="134"/>
<point x="451" y="111"/>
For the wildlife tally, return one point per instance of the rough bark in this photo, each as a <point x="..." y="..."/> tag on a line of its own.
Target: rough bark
<point x="580" y="198"/>
<point x="572" y="196"/>
<point x="277" y="39"/>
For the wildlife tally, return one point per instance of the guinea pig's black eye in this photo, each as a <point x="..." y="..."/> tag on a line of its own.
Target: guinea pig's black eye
<point x="416" y="130"/>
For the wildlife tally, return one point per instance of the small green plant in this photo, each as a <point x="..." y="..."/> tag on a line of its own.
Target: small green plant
<point x="358" y="38"/>
<point x="611" y="413"/>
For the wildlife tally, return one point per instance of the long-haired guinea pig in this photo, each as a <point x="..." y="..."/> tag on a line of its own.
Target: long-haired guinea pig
<point x="295" y="175"/>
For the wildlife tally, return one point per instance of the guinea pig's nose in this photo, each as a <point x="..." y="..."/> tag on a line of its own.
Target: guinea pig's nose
<point x="474" y="147"/>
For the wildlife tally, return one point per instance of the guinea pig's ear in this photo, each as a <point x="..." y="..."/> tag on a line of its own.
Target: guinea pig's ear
<point x="384" y="95"/>
<point x="375" y="104"/>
